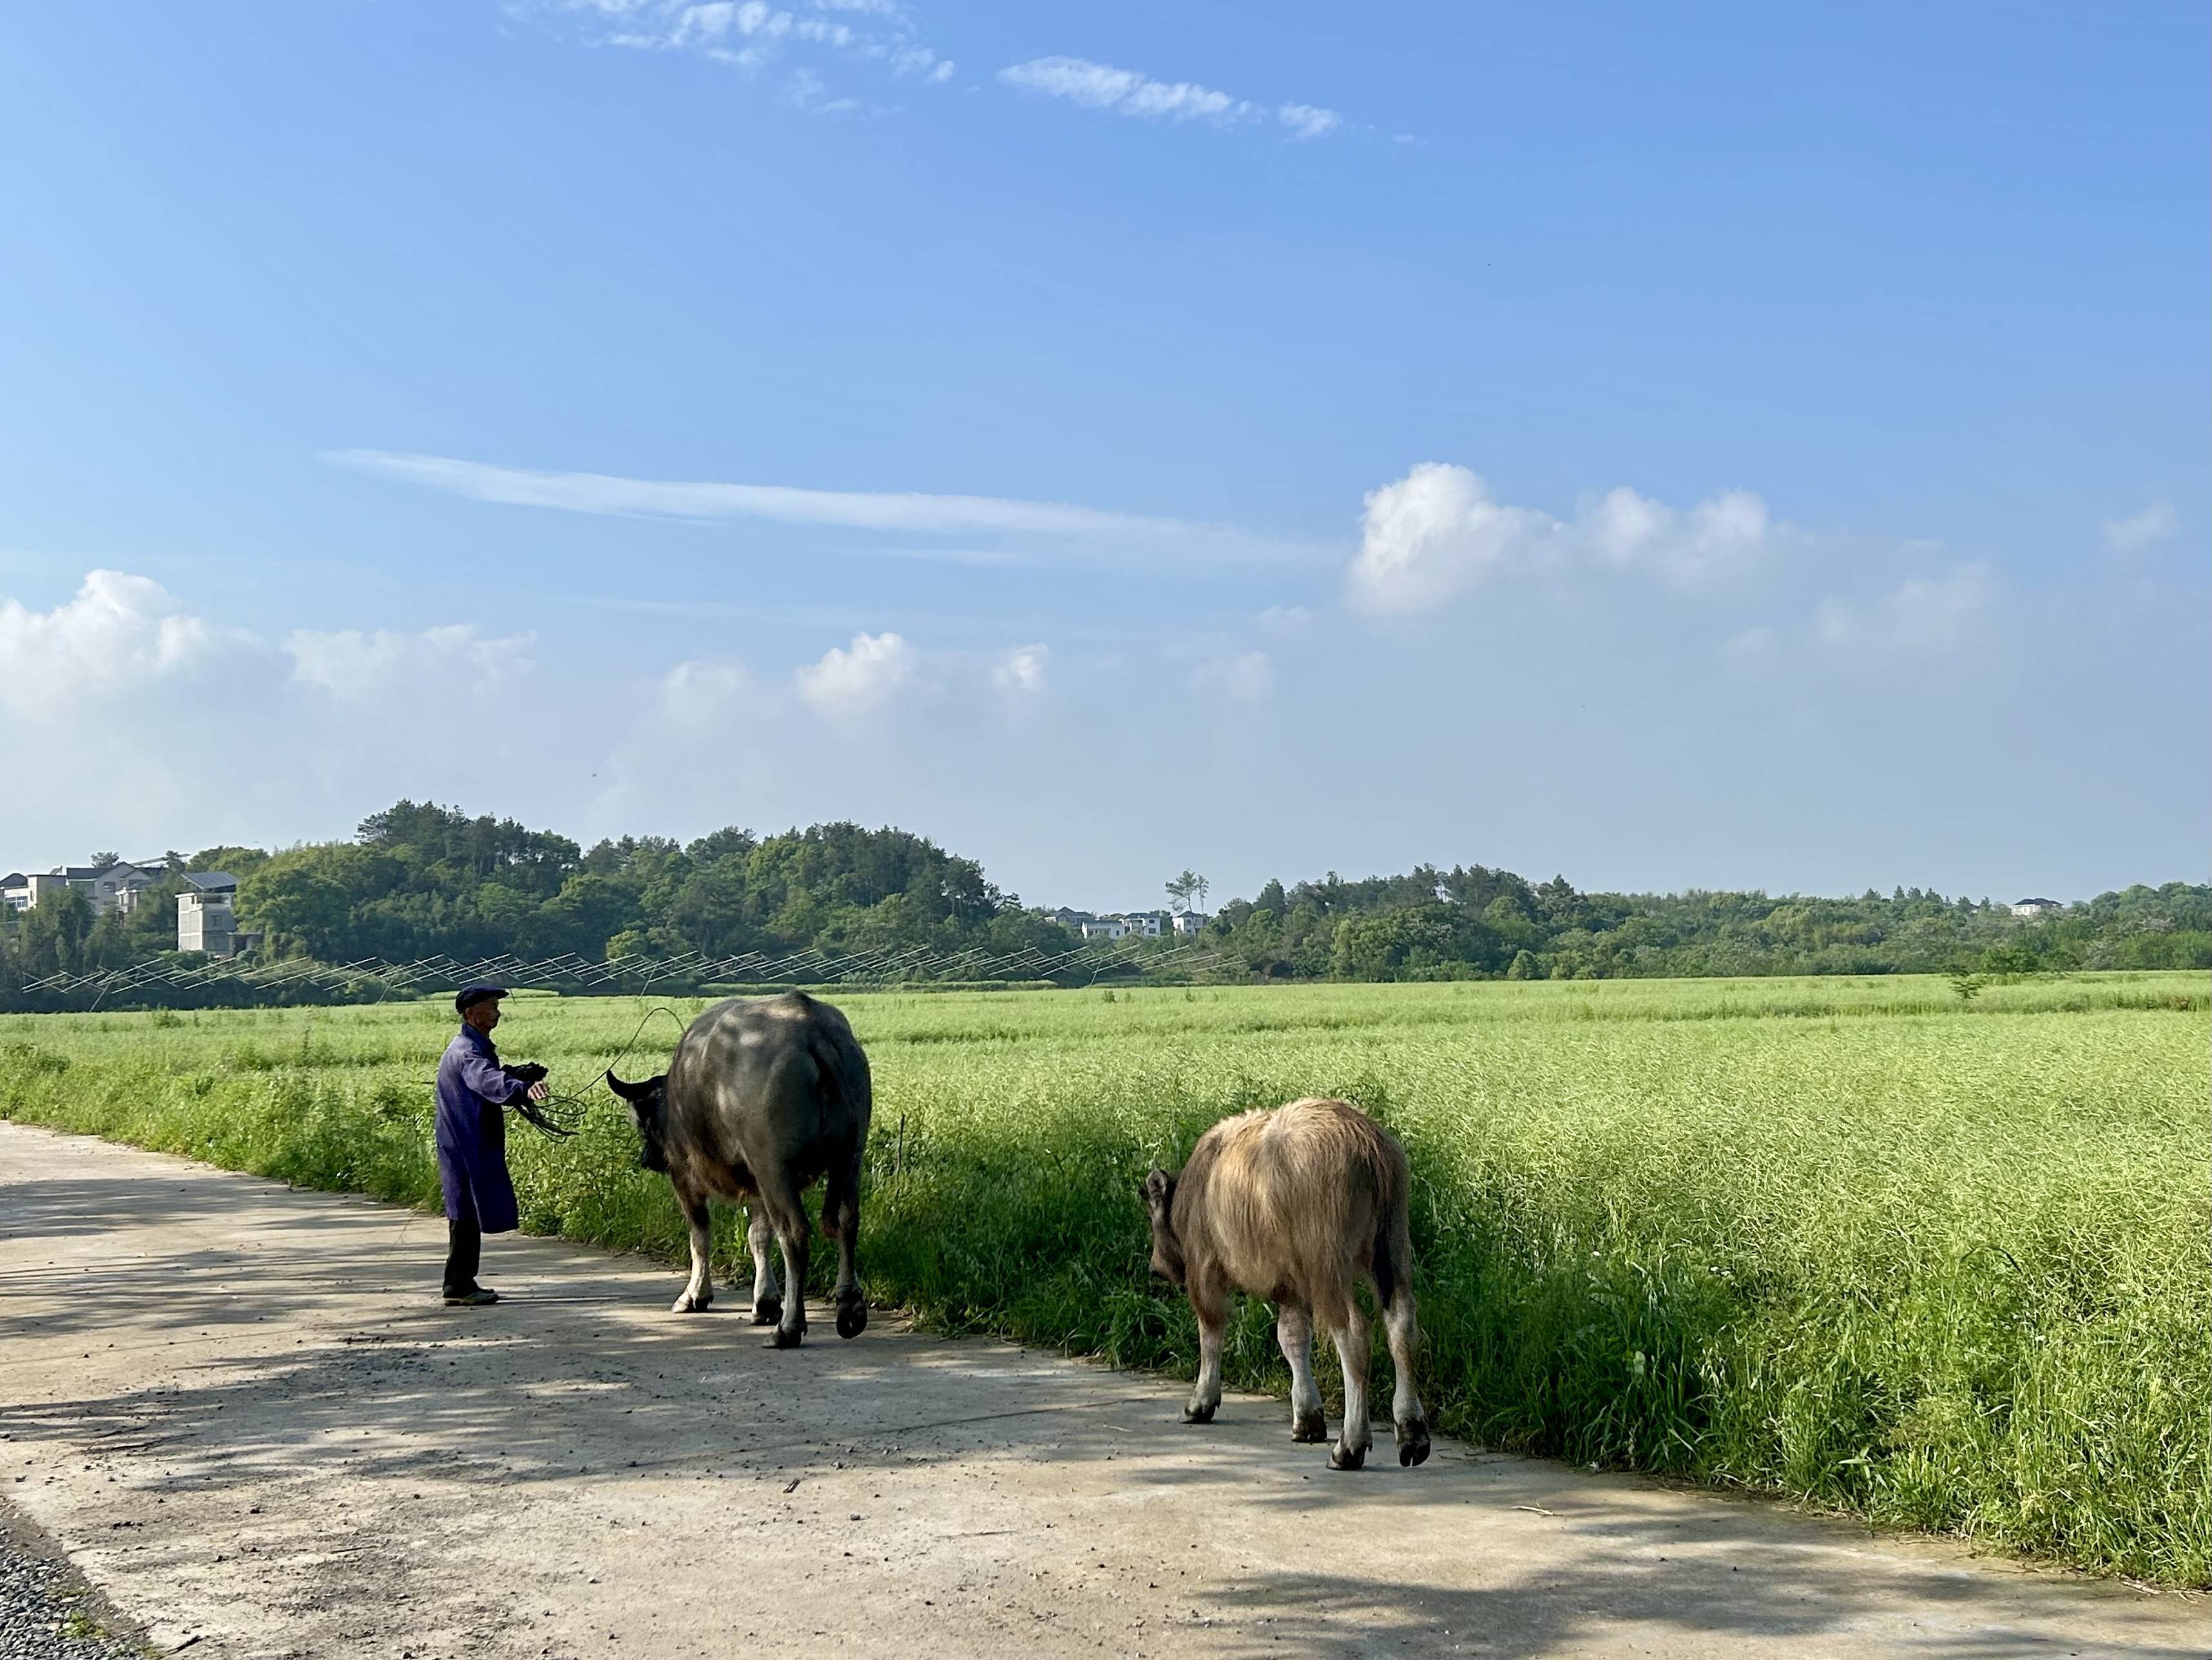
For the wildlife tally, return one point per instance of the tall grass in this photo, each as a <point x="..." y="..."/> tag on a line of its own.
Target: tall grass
<point x="1943" y="1264"/>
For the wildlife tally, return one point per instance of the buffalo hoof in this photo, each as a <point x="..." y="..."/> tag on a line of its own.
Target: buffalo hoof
<point x="1199" y="1414"/>
<point x="768" y="1310"/>
<point x="853" y="1317"/>
<point x="1341" y="1457"/>
<point x="688" y="1304"/>
<point x="1413" y="1442"/>
<point x="1311" y="1426"/>
<point x="787" y="1337"/>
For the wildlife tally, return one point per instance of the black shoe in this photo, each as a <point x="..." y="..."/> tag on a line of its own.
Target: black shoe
<point x="476" y="1297"/>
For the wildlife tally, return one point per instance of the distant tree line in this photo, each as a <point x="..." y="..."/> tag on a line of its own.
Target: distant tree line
<point x="1472" y="921"/>
<point x="420" y="881"/>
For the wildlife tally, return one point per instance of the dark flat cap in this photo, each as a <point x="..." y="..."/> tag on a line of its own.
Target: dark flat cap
<point x="469" y="996"/>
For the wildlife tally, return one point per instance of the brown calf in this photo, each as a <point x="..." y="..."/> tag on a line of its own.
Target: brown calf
<point x="1299" y="1205"/>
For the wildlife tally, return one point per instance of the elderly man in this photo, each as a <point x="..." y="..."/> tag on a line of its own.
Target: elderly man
<point x="473" y="1088"/>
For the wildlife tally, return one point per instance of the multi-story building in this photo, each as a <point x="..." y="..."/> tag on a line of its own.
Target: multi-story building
<point x="1123" y="925"/>
<point x="109" y="887"/>
<point x="205" y="918"/>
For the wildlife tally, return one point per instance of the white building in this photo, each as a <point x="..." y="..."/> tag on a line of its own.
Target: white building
<point x="109" y="887"/>
<point x="205" y="920"/>
<point x="2036" y="907"/>
<point x="1188" y="923"/>
<point x="1125" y="924"/>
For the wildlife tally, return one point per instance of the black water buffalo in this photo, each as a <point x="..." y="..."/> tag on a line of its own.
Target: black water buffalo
<point x="762" y="1096"/>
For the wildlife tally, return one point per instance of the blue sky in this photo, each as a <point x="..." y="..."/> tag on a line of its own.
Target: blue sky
<point x="1713" y="446"/>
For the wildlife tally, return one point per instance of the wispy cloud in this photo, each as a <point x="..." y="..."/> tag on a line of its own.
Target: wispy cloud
<point x="1923" y="618"/>
<point x="752" y="34"/>
<point x="1021" y="669"/>
<point x="1245" y="677"/>
<point x="1130" y="92"/>
<point x="1307" y="121"/>
<point x="2155" y="523"/>
<point x="907" y="512"/>
<point x="356" y="664"/>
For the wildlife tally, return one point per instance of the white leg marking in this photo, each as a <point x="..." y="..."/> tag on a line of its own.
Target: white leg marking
<point x="1350" y="1340"/>
<point x="1294" y="1336"/>
<point x="698" y="1290"/>
<point x="1404" y="1334"/>
<point x="760" y="1239"/>
<point x="793" y="1327"/>
<point x="1205" y="1394"/>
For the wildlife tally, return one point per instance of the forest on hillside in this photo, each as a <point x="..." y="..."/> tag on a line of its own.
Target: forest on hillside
<point x="420" y="881"/>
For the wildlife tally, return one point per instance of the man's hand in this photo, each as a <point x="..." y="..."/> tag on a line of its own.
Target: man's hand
<point x="538" y="1092"/>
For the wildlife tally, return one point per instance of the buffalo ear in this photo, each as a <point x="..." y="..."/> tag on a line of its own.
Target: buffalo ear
<point x="1159" y="1187"/>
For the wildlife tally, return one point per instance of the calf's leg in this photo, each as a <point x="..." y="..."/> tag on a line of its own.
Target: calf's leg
<point x="699" y="1291"/>
<point x="760" y="1237"/>
<point x="841" y="1214"/>
<point x="788" y="1216"/>
<point x="1407" y="1416"/>
<point x="1210" y="1303"/>
<point x="1347" y="1329"/>
<point x="1294" y="1336"/>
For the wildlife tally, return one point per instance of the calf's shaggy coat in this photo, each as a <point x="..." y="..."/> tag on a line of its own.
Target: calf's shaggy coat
<point x="762" y="1097"/>
<point x="1300" y="1206"/>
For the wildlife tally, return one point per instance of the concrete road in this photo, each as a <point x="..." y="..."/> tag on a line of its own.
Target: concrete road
<point x="243" y="1412"/>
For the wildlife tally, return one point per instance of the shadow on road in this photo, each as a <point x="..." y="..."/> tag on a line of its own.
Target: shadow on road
<point x="235" y="1333"/>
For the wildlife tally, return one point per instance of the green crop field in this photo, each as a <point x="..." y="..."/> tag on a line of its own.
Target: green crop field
<point x="1943" y="1263"/>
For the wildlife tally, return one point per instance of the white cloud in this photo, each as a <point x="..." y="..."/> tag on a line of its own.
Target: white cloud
<point x="1923" y="618"/>
<point x="805" y="92"/>
<point x="699" y="697"/>
<point x="751" y="34"/>
<point x="1720" y="537"/>
<point x="1123" y="533"/>
<point x="1021" y="669"/>
<point x="1306" y="121"/>
<point x="1129" y="92"/>
<point x="921" y="61"/>
<point x="857" y="679"/>
<point x="1285" y="622"/>
<point x="1245" y="677"/>
<point x="2155" y="523"/>
<point x="119" y="633"/>
<point x="354" y="665"/>
<point x="1437" y="532"/>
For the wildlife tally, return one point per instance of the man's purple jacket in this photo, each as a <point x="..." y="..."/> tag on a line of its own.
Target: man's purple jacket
<point x="473" y="1086"/>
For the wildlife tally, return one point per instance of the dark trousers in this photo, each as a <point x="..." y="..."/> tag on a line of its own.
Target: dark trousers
<point x="463" y="1251"/>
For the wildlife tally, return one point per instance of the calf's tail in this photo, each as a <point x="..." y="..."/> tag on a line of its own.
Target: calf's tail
<point x="1394" y="1242"/>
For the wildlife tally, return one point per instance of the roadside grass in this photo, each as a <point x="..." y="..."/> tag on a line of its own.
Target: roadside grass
<point x="1946" y="1265"/>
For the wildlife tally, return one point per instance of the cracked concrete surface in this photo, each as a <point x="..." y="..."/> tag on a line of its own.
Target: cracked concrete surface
<point x="243" y="1412"/>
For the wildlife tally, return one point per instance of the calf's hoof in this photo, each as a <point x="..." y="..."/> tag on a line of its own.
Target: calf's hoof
<point x="1342" y="1457"/>
<point x="1413" y="1442"/>
<point x="768" y="1310"/>
<point x="1309" y="1427"/>
<point x="852" y="1316"/>
<point x="1199" y="1414"/>
<point x="787" y="1337"/>
<point x="688" y="1304"/>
